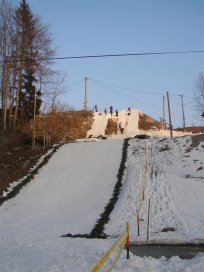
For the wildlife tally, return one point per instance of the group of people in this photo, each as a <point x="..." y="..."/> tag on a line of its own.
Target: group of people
<point x="111" y="110"/>
<point x="120" y="127"/>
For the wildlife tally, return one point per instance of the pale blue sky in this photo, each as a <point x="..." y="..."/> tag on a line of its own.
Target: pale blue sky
<point x="94" y="27"/>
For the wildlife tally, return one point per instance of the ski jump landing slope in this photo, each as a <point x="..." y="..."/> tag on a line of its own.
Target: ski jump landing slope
<point x="67" y="196"/>
<point x="128" y="122"/>
<point x="99" y="125"/>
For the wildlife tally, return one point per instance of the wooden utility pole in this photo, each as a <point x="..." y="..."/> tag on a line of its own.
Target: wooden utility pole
<point x="169" y="110"/>
<point x="164" y="117"/>
<point x="85" y="96"/>
<point x="34" y="115"/>
<point x="184" y="125"/>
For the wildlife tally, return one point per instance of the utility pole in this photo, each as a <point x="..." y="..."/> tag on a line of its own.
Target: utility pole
<point x="184" y="125"/>
<point x="85" y="96"/>
<point x="164" y="117"/>
<point x="34" y="115"/>
<point x="170" y="124"/>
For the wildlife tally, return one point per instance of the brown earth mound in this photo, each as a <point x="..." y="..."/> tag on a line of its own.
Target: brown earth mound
<point x="112" y="127"/>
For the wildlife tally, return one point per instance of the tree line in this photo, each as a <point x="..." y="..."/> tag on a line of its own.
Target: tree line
<point x="26" y="51"/>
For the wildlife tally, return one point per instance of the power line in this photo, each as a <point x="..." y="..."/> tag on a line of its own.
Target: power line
<point x="185" y="104"/>
<point x="117" y="55"/>
<point x="74" y="84"/>
<point x="128" y="89"/>
<point x="128" y="54"/>
<point x="128" y="96"/>
<point x="192" y="101"/>
<point x="175" y="102"/>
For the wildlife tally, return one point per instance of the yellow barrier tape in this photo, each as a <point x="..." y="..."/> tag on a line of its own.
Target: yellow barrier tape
<point x="123" y="243"/>
<point x="105" y="257"/>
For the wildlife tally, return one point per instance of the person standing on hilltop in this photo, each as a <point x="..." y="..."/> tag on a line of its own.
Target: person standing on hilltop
<point x="116" y="113"/>
<point x="129" y="111"/>
<point x="111" y="110"/>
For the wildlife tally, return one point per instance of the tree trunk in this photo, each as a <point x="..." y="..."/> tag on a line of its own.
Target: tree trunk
<point x="5" y="97"/>
<point x="17" y="99"/>
<point x="11" y="114"/>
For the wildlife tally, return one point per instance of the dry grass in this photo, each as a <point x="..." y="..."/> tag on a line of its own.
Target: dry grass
<point x="146" y="122"/>
<point x="64" y="126"/>
<point x="192" y="129"/>
<point x="112" y="127"/>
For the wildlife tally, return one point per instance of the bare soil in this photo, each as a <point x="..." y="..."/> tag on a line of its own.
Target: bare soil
<point x="16" y="157"/>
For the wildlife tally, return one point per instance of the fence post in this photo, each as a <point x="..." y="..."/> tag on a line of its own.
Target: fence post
<point x="148" y="220"/>
<point x="128" y="241"/>
<point x="138" y="223"/>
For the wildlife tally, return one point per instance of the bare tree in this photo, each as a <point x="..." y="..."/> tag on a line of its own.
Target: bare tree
<point x="199" y="95"/>
<point x="52" y="89"/>
<point x="7" y="30"/>
<point x="25" y="61"/>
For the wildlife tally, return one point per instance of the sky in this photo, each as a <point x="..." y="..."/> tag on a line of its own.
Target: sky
<point x="94" y="27"/>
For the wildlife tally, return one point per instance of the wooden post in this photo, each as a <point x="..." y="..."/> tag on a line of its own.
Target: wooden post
<point x="184" y="125"/>
<point x="164" y="117"/>
<point x="148" y="220"/>
<point x="170" y="124"/>
<point x="33" y="143"/>
<point x="138" y="223"/>
<point x="85" y="96"/>
<point x="128" y="241"/>
<point x="44" y="139"/>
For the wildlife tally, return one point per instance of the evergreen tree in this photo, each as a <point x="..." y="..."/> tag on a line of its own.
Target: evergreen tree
<point x="27" y="33"/>
<point x="30" y="96"/>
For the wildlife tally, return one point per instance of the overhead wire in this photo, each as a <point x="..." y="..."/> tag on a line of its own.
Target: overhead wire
<point x="74" y="84"/>
<point x="126" y="54"/>
<point x="125" y="88"/>
<point x="115" y="55"/>
<point x="119" y="92"/>
<point x="175" y="102"/>
<point x="107" y="85"/>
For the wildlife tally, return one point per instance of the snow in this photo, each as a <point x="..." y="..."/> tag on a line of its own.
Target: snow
<point x="176" y="201"/>
<point x="70" y="192"/>
<point x="128" y="122"/>
<point x="99" y="125"/>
